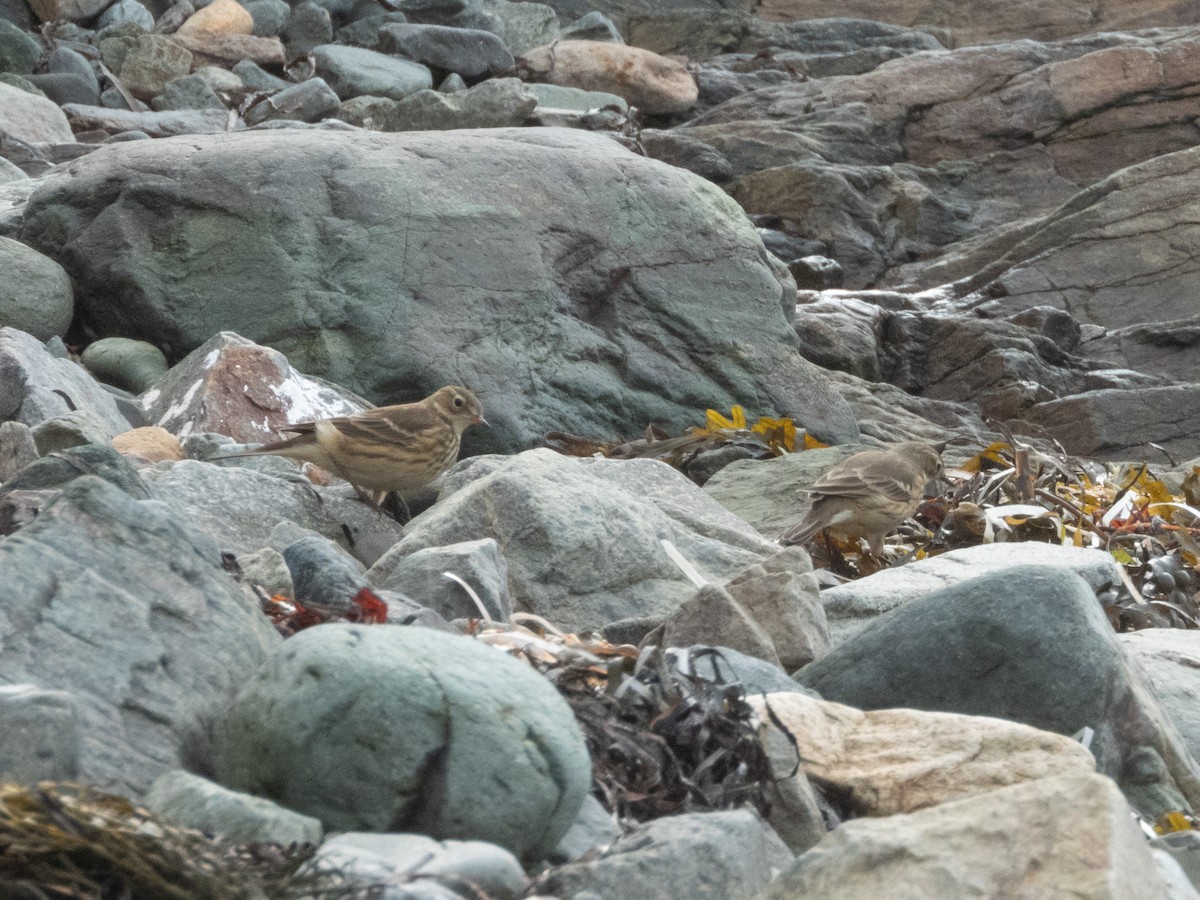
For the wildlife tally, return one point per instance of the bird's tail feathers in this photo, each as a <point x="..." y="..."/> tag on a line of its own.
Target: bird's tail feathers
<point x="805" y="530"/>
<point x="279" y="448"/>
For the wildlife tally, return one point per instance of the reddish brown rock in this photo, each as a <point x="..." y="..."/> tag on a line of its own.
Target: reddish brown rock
<point x="652" y="83"/>
<point x="151" y="443"/>
<point x="221" y="17"/>
<point x="232" y="386"/>
<point x="962" y="22"/>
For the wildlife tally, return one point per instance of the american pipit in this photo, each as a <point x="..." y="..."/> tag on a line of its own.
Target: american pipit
<point x="393" y="448"/>
<point x="869" y="494"/>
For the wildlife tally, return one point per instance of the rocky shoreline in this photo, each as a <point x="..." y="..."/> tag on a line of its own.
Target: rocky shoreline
<point x="593" y="674"/>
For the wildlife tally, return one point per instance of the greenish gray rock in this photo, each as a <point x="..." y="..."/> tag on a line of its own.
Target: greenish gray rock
<point x="582" y="536"/>
<point x="496" y="103"/>
<point x="239" y="507"/>
<point x="367" y="112"/>
<point x="649" y="296"/>
<point x="149" y="61"/>
<point x="269" y="570"/>
<point x="17" y="448"/>
<point x="60" y="469"/>
<point x="595" y="827"/>
<point x="259" y="79"/>
<point x="491" y="871"/>
<point x="592" y="26"/>
<point x="132" y="365"/>
<point x="423" y="577"/>
<point x="151" y="123"/>
<point x="220" y="79"/>
<point x="114" y="600"/>
<point x="471" y="53"/>
<point x="19" y="52"/>
<point x="21" y="83"/>
<point x="713" y="616"/>
<point x="355" y="71"/>
<point x="126" y="11"/>
<point x="853" y="606"/>
<point x="394" y="728"/>
<point x="187" y="92"/>
<point x="31" y="117"/>
<point x="190" y="801"/>
<point x="308" y="26"/>
<point x="556" y="96"/>
<point x="364" y="32"/>
<point x="687" y="153"/>
<point x="67" y="88"/>
<point x="39" y="735"/>
<point x="525" y="24"/>
<point x="35" y="293"/>
<point x="270" y="17"/>
<point x="998" y="645"/>
<point x="730" y="855"/>
<point x="71" y="429"/>
<point x="35" y="386"/>
<point x="1121" y="423"/>
<point x="695" y="33"/>
<point x="309" y="101"/>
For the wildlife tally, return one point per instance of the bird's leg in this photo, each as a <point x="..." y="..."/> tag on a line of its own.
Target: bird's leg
<point x="837" y="562"/>
<point x="395" y="504"/>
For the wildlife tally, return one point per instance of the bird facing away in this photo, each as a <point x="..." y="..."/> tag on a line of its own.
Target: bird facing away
<point x="392" y="448"/>
<point x="869" y="494"/>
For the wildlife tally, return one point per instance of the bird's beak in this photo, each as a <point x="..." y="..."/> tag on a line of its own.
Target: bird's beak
<point x="480" y="420"/>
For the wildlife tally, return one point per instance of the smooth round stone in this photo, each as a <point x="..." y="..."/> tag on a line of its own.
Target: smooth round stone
<point x="35" y="292"/>
<point x="219" y="79"/>
<point x="393" y="728"/>
<point x="67" y="87"/>
<point x="270" y="17"/>
<point x="19" y="52"/>
<point x="129" y="364"/>
<point x="65" y="61"/>
<point x="126" y="11"/>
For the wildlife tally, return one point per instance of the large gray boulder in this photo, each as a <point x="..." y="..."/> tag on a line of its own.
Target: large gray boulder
<point x="393" y="264"/>
<point x="392" y="728"/>
<point x="112" y="600"/>
<point x="727" y="855"/>
<point x="582" y="537"/>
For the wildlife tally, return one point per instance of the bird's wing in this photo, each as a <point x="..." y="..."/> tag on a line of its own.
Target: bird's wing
<point x="870" y="473"/>
<point x="386" y="424"/>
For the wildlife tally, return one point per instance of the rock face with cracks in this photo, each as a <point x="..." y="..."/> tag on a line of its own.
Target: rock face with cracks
<point x="570" y="283"/>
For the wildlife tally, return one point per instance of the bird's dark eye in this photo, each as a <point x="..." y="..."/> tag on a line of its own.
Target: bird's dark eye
<point x="458" y="401"/>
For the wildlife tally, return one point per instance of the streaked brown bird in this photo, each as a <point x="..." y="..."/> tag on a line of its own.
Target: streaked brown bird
<point x="869" y="494"/>
<point x="392" y="448"/>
